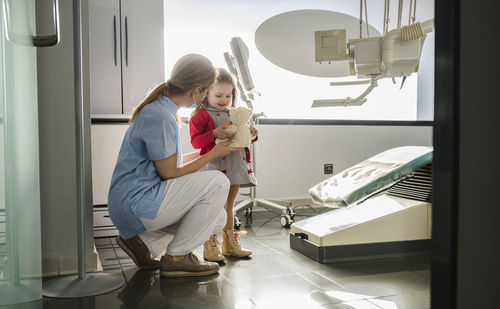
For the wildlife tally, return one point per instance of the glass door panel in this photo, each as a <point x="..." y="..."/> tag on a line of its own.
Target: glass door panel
<point x="20" y="235"/>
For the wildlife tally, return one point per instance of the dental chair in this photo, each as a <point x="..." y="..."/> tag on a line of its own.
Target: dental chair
<point x="381" y="208"/>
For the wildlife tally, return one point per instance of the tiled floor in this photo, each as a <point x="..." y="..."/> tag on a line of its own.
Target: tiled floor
<point x="274" y="277"/>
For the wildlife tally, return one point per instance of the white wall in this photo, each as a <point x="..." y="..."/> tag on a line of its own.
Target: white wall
<point x="289" y="158"/>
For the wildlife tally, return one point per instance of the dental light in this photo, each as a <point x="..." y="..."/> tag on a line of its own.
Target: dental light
<point x="238" y="66"/>
<point x="395" y="54"/>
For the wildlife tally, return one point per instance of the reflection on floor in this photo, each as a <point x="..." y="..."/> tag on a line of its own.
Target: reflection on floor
<point x="274" y="277"/>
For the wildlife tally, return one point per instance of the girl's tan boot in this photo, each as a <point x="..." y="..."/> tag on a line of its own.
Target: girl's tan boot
<point x="211" y="250"/>
<point x="231" y="245"/>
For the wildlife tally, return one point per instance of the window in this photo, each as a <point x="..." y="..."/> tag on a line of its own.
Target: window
<point x="206" y="27"/>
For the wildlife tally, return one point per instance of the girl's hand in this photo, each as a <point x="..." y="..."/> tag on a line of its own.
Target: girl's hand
<point x="254" y="132"/>
<point x="222" y="149"/>
<point x="221" y="133"/>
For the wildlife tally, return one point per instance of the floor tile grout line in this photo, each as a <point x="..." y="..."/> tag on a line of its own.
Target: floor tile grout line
<point x="310" y="270"/>
<point x="317" y="272"/>
<point x="301" y="274"/>
<point x="269" y="276"/>
<point x="238" y="288"/>
<point x="319" y="287"/>
<point x="265" y="245"/>
<point x="333" y="281"/>
<point x="281" y="254"/>
<point x="266" y="222"/>
<point x="120" y="264"/>
<point x="368" y="300"/>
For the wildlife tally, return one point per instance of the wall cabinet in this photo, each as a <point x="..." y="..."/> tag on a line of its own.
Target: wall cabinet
<point x="126" y="39"/>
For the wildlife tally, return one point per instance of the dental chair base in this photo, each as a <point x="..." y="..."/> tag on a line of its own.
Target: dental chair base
<point x="381" y="227"/>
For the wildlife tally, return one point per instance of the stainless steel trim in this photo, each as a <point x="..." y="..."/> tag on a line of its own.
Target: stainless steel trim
<point x="126" y="41"/>
<point x="114" y="38"/>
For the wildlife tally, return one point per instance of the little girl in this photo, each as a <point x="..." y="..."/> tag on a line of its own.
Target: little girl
<point x="208" y="122"/>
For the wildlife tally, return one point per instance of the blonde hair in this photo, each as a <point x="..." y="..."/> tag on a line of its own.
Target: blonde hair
<point x="189" y="72"/>
<point x="222" y="76"/>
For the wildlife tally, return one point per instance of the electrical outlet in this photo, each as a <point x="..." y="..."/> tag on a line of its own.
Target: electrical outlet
<point x="328" y="168"/>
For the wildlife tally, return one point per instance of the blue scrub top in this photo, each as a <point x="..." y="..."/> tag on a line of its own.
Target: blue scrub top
<point x="136" y="188"/>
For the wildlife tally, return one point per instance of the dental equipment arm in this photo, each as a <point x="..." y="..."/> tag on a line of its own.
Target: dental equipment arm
<point x="396" y="54"/>
<point x="408" y="42"/>
<point x="349" y="101"/>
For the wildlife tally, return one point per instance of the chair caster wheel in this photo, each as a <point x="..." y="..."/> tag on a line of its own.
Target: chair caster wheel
<point x="248" y="212"/>
<point x="237" y="223"/>
<point x="286" y="220"/>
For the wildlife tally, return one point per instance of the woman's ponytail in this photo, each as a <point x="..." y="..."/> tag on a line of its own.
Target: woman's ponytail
<point x="189" y="72"/>
<point x="152" y="96"/>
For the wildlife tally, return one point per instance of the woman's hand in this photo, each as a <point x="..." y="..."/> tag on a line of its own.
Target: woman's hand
<point x="221" y="133"/>
<point x="254" y="132"/>
<point x="167" y="168"/>
<point x="222" y="149"/>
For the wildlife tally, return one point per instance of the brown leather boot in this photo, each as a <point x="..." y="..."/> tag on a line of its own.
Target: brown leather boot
<point x="231" y="245"/>
<point x="189" y="266"/>
<point x="139" y="252"/>
<point x="211" y="250"/>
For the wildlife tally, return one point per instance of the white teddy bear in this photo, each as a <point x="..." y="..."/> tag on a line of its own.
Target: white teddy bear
<point x="239" y="118"/>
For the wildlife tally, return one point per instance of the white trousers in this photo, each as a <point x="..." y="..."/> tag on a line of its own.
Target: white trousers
<point x="191" y="211"/>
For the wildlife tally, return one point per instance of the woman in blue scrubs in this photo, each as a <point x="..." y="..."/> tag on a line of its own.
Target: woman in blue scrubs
<point x="158" y="199"/>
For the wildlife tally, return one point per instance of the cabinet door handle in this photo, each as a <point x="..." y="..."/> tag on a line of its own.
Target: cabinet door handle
<point x="126" y="41"/>
<point x="114" y="37"/>
<point x="32" y="40"/>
